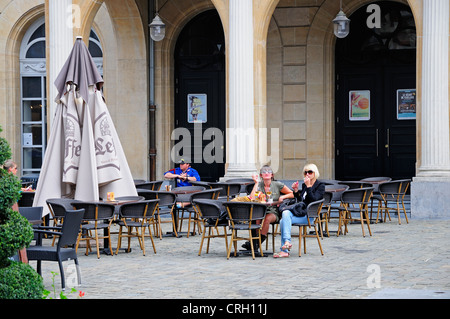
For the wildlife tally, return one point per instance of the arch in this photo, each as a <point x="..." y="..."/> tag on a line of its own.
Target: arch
<point x="320" y="85"/>
<point x="175" y="14"/>
<point x="11" y="66"/>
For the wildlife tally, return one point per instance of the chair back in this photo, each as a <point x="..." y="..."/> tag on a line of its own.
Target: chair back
<point x="245" y="183"/>
<point x="153" y="185"/>
<point x="248" y="188"/>
<point x="206" y="194"/>
<point x="245" y="212"/>
<point x="147" y="194"/>
<point x="31" y="213"/>
<point x="353" y="184"/>
<point x="71" y="227"/>
<point x="314" y="208"/>
<point x="209" y="208"/>
<point x="26" y="199"/>
<point x="327" y="198"/>
<point x="166" y="199"/>
<point x="336" y="190"/>
<point x="354" y="196"/>
<point x="95" y="211"/>
<point x="59" y="206"/>
<point x="405" y="185"/>
<point x="228" y="190"/>
<point x="392" y="188"/>
<point x="141" y="209"/>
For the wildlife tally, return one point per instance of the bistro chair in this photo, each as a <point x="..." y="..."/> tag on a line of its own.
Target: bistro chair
<point x="166" y="206"/>
<point x="403" y="194"/>
<point x="325" y="211"/>
<point x="391" y="194"/>
<point x="26" y="199"/>
<point x="33" y="215"/>
<point x="153" y="185"/>
<point x="211" y="212"/>
<point x="138" y="215"/>
<point x="313" y="213"/>
<point x="228" y="190"/>
<point x="97" y="216"/>
<point x="58" y="208"/>
<point x="193" y="212"/>
<point x="68" y="235"/>
<point x="333" y="207"/>
<point x="183" y="195"/>
<point x="355" y="201"/>
<point x="245" y="216"/>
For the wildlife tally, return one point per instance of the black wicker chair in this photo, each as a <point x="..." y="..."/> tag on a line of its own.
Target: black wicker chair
<point x="68" y="236"/>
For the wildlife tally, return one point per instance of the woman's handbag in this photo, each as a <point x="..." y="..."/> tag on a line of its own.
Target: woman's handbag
<point x="298" y="209"/>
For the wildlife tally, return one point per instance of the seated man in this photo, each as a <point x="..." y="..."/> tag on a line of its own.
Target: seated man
<point x="184" y="174"/>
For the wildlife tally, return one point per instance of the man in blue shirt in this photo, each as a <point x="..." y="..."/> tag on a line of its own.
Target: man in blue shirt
<point x="184" y="174"/>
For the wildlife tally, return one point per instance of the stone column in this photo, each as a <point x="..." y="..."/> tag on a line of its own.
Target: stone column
<point x="241" y="135"/>
<point x="431" y="187"/>
<point x="60" y="43"/>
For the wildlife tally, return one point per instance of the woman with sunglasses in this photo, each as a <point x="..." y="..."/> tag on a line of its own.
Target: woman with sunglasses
<point x="312" y="190"/>
<point x="278" y="192"/>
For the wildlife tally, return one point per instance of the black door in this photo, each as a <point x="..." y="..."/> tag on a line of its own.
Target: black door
<point x="200" y="95"/>
<point x="373" y="69"/>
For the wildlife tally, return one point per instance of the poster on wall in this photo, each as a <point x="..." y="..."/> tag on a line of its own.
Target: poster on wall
<point x="406" y="104"/>
<point x="359" y="105"/>
<point x="197" y="108"/>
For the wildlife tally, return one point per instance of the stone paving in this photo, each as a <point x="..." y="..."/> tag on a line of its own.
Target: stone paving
<point x="398" y="261"/>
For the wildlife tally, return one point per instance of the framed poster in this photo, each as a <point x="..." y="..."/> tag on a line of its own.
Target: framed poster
<point x="359" y="105"/>
<point x="197" y="108"/>
<point x="406" y="104"/>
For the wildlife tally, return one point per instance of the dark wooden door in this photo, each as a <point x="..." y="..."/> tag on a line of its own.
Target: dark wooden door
<point x="200" y="96"/>
<point x="380" y="145"/>
<point x="374" y="64"/>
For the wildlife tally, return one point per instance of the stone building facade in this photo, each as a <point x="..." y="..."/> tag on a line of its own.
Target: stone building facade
<point x="280" y="81"/>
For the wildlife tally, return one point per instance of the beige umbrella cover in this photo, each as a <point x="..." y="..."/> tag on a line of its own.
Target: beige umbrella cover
<point x="84" y="159"/>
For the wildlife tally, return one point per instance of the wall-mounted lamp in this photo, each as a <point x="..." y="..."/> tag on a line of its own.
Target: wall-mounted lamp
<point x="341" y="24"/>
<point x="157" y="27"/>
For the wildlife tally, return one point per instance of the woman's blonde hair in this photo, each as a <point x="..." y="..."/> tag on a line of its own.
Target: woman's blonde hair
<point x="311" y="167"/>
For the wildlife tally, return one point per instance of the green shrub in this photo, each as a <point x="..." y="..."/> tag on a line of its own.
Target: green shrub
<point x="20" y="281"/>
<point x="15" y="234"/>
<point x="17" y="280"/>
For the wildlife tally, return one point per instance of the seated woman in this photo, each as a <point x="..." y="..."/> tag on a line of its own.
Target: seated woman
<point x="312" y="190"/>
<point x="278" y="192"/>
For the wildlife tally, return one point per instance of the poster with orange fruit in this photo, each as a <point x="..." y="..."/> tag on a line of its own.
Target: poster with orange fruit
<point x="359" y="105"/>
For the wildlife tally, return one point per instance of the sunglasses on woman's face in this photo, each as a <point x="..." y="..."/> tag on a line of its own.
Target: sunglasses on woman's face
<point x="308" y="172"/>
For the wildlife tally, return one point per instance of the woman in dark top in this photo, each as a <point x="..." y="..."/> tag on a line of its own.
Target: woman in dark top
<point x="312" y="190"/>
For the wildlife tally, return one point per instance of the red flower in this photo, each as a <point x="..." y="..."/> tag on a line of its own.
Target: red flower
<point x="81" y="294"/>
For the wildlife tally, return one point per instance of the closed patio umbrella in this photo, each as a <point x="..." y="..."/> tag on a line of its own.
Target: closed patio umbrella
<point x="84" y="159"/>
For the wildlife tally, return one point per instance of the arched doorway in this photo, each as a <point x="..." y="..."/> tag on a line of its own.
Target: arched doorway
<point x="200" y="95"/>
<point x="375" y="95"/>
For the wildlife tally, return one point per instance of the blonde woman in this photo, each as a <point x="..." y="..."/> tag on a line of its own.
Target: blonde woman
<point x="311" y="191"/>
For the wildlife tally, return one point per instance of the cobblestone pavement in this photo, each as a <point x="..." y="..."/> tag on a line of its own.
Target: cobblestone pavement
<point x="397" y="261"/>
